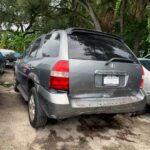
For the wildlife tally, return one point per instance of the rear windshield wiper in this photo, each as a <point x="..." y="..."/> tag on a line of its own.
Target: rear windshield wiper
<point x="119" y="60"/>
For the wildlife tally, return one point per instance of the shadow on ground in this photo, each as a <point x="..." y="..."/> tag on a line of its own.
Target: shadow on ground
<point x="89" y="132"/>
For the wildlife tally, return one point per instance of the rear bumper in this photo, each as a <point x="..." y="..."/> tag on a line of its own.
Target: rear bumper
<point x="148" y="99"/>
<point x="59" y="106"/>
<point x="10" y="63"/>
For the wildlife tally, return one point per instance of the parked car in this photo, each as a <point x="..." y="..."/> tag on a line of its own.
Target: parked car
<point x="2" y="63"/>
<point x="146" y="63"/>
<point x="9" y="57"/>
<point x="17" y="55"/>
<point x="71" y="72"/>
<point x="147" y="56"/>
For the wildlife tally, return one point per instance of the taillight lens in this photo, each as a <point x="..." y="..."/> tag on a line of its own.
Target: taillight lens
<point x="142" y="80"/>
<point x="59" y="78"/>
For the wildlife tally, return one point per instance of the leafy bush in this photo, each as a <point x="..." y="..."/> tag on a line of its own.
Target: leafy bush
<point x="17" y="42"/>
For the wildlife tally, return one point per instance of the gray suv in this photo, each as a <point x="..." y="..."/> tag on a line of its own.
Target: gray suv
<point x="77" y="71"/>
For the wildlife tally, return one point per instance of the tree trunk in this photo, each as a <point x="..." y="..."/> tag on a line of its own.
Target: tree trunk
<point x="136" y="47"/>
<point x="85" y="4"/>
<point x="93" y="16"/>
<point x="122" y="10"/>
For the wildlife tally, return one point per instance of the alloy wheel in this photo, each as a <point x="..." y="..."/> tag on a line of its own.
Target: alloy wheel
<point x="32" y="108"/>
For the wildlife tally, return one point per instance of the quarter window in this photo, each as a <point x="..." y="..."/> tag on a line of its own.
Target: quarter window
<point x="51" y="45"/>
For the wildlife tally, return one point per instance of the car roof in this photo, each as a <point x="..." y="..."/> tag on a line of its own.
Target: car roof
<point x="7" y="50"/>
<point x="82" y="30"/>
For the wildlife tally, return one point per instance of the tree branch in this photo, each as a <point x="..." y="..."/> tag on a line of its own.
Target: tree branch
<point x="87" y="6"/>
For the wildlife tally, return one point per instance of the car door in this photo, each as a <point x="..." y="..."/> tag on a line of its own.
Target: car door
<point x="46" y="57"/>
<point x="20" y="63"/>
<point x="25" y="66"/>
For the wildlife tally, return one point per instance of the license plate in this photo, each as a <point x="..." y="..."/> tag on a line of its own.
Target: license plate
<point x="111" y="80"/>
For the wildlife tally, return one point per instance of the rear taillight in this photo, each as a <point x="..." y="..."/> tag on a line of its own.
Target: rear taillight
<point x="59" y="78"/>
<point x="142" y="80"/>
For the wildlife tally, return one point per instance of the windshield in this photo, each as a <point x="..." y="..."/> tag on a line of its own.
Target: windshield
<point x="96" y="47"/>
<point x="146" y="64"/>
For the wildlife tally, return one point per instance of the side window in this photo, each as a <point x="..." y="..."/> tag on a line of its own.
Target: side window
<point x="35" y="47"/>
<point x="50" y="47"/>
<point x="40" y="51"/>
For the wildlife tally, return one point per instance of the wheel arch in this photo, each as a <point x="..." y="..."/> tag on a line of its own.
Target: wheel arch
<point x="32" y="80"/>
<point x="31" y="84"/>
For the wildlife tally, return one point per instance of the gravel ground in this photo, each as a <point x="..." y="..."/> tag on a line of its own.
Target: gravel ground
<point x="94" y="132"/>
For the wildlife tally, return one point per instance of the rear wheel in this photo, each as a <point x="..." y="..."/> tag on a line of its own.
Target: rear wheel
<point x="37" y="117"/>
<point x="111" y="115"/>
<point x="15" y="83"/>
<point x="1" y="69"/>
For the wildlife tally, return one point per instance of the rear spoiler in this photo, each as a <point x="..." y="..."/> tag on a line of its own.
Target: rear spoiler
<point x="80" y="30"/>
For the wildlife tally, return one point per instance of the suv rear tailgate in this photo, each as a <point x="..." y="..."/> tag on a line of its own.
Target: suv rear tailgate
<point x="91" y="77"/>
<point x="87" y="79"/>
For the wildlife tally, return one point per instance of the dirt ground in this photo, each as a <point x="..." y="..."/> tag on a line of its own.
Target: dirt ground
<point x="94" y="132"/>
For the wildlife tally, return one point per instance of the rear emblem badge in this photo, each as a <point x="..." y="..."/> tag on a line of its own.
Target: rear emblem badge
<point x="112" y="66"/>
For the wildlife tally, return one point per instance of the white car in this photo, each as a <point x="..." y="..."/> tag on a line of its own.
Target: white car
<point x="147" y="56"/>
<point x="9" y="56"/>
<point x="146" y="65"/>
<point x="6" y="51"/>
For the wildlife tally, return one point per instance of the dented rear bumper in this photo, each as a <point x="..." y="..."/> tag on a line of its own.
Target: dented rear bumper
<point x="59" y="106"/>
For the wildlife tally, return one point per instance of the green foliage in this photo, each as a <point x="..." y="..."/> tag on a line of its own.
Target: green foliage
<point x="19" y="42"/>
<point x="4" y="40"/>
<point x="35" y="17"/>
<point x="135" y="33"/>
<point x="117" y="7"/>
<point x="16" y="42"/>
<point x="148" y="25"/>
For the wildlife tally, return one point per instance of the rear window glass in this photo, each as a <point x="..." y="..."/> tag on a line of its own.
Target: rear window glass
<point x="95" y="47"/>
<point x="146" y="64"/>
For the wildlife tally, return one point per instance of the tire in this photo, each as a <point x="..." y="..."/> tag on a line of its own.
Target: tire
<point x="1" y="69"/>
<point x="15" y="83"/>
<point x="138" y="113"/>
<point x="37" y="117"/>
<point x="111" y="115"/>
